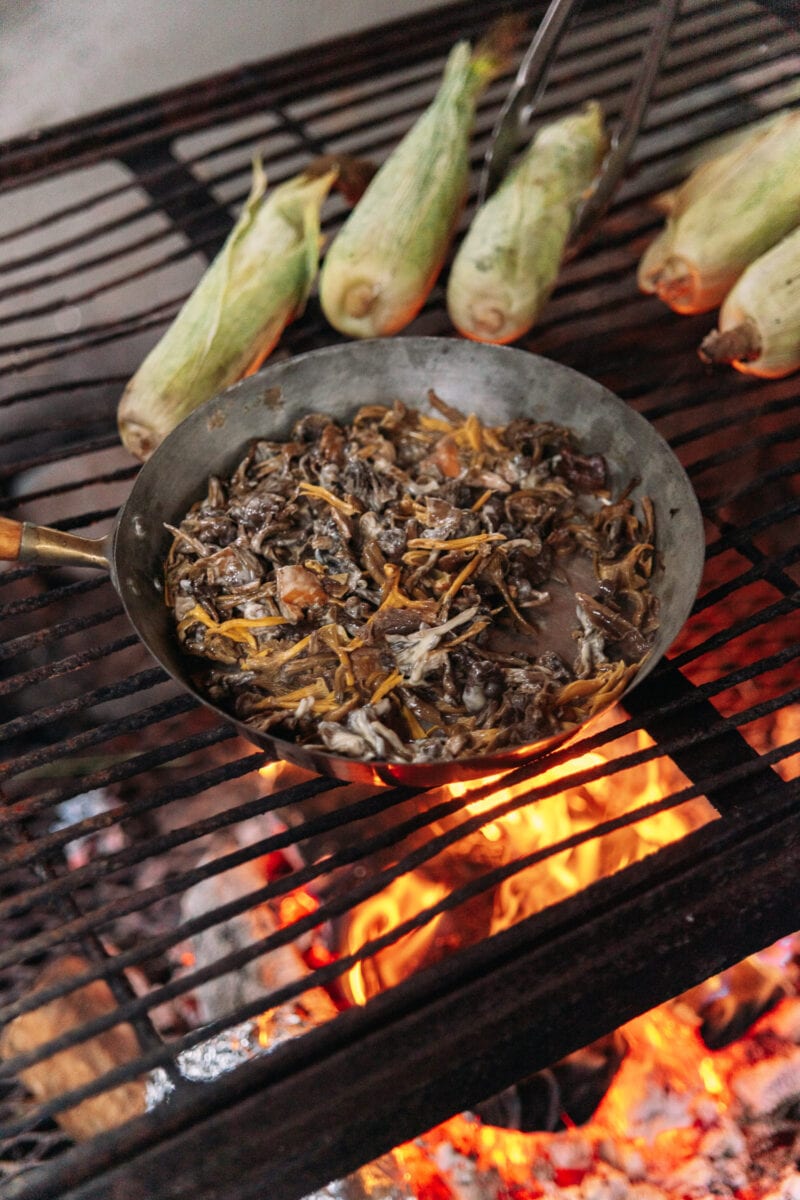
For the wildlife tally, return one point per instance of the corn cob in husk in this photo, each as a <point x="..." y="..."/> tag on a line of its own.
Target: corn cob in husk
<point x="728" y="212"/>
<point x="714" y="151"/>
<point x="382" y="264"/>
<point x="257" y="284"/>
<point x="508" y="263"/>
<point x="758" y="330"/>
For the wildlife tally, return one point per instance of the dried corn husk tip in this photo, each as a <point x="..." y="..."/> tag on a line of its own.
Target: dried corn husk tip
<point x="759" y="323"/>
<point x="257" y="284"/>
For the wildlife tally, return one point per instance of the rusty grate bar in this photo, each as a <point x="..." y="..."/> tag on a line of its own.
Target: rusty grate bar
<point x="700" y="707"/>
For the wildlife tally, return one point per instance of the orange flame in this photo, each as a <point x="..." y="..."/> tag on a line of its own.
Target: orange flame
<point x="511" y="836"/>
<point x="670" y="1089"/>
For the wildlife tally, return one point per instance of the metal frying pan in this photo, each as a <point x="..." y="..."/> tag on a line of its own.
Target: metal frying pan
<point x="496" y="382"/>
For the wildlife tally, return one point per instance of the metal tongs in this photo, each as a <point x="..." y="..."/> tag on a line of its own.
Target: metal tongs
<point x="513" y="124"/>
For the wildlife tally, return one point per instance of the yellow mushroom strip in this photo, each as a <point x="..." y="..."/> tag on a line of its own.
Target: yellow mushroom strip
<point x="389" y="684"/>
<point x="393" y="597"/>
<point x="321" y="493"/>
<point x="464" y="543"/>
<point x="597" y="693"/>
<point x="479" y="503"/>
<point x="275" y="659"/>
<point x="434" y="424"/>
<point x="324" y="699"/>
<point x="238" y="629"/>
<point x="462" y="577"/>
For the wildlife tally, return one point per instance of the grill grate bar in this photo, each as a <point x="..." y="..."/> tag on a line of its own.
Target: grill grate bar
<point x="189" y="204"/>
<point x="74" y="342"/>
<point x="200" y="245"/>
<point x="137" y="764"/>
<point x="74" y="662"/>
<point x="732" y="453"/>
<point x="53" y="425"/>
<point x="101" y="442"/>
<point x="734" y="538"/>
<point x="773" y="475"/>
<point x="764" y="569"/>
<point x="65" y="387"/>
<point x="154" y="676"/>
<point x="731" y="420"/>
<point x="773" y="571"/>
<point x="362" y="848"/>
<point x="309" y="874"/>
<point x="728" y="66"/>
<point x="17" y="904"/>
<point x="319" y="976"/>
<point x="81" y="876"/>
<point x="29" y="641"/>
<point x="96" y="953"/>
<point x="212" y="824"/>
<point x="91" y="737"/>
<point x="153" y="182"/>
<point x="126" y="327"/>
<point x="82" y="520"/>
<point x="53" y="712"/>
<point x="715" y="641"/>
<point x="28" y="604"/>
<point x="185" y="879"/>
<point x="208" y="779"/>
<point x="74" y="485"/>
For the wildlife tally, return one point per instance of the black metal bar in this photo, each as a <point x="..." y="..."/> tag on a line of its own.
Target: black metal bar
<point x="762" y="783"/>
<point x="385" y="1073"/>
<point x="181" y="195"/>
<point x="668" y="922"/>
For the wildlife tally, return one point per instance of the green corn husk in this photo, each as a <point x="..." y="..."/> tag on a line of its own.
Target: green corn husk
<point x="508" y="263"/>
<point x="758" y="330"/>
<point x="385" y="259"/>
<point x="257" y="284"/>
<point x="716" y="149"/>
<point x="727" y="213"/>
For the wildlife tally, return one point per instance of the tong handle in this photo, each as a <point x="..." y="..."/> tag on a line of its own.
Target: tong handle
<point x="615" y="162"/>
<point x="22" y="542"/>
<point x="528" y="84"/>
<point x="10" y="539"/>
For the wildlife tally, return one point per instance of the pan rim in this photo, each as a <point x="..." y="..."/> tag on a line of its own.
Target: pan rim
<point x="393" y="771"/>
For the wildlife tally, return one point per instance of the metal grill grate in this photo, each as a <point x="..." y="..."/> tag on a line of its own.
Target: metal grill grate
<point x="109" y="223"/>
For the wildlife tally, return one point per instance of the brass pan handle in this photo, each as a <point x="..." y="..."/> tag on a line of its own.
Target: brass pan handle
<point x="22" y="542"/>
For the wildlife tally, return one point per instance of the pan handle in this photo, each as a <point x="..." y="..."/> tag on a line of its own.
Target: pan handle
<point x="22" y="542"/>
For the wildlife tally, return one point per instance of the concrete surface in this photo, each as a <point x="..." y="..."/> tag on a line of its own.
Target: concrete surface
<point x="64" y="58"/>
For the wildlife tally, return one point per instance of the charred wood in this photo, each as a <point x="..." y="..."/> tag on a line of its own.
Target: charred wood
<point x="80" y="1064"/>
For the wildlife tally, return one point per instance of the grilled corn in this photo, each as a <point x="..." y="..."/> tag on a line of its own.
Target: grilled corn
<point x="508" y="263"/>
<point x="728" y="212"/>
<point x="382" y="264"/>
<point x="759" y="322"/>
<point x="257" y="284"/>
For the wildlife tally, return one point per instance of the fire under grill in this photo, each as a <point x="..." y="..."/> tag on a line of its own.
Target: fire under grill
<point x="183" y="887"/>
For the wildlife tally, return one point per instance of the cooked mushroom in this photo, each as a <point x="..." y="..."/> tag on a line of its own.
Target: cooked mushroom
<point x="394" y="588"/>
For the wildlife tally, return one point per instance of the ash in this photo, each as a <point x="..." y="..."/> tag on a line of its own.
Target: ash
<point x="207" y="1061"/>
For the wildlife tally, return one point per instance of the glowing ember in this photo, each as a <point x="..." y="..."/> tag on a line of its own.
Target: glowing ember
<point x="671" y="1125"/>
<point x="679" y="1121"/>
